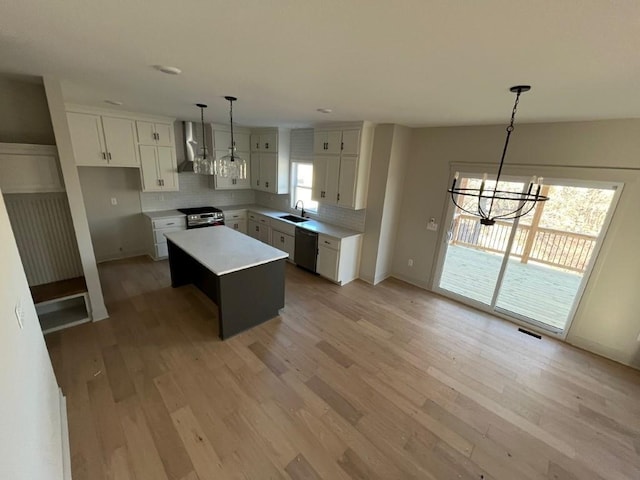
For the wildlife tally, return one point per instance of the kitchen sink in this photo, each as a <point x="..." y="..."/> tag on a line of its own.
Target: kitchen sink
<point x="294" y="218"/>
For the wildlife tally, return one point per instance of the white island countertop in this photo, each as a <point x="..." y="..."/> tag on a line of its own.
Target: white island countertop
<point x="223" y="250"/>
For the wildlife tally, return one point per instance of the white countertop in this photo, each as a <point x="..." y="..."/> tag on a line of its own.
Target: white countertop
<point x="311" y="225"/>
<point x="223" y="250"/>
<point x="163" y="214"/>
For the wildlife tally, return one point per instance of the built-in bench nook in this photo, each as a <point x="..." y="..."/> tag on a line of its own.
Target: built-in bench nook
<point x="61" y="304"/>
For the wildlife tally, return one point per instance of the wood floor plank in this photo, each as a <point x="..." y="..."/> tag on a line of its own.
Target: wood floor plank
<point x="334" y="400"/>
<point x="205" y="460"/>
<point x="361" y="381"/>
<point x="300" y="469"/>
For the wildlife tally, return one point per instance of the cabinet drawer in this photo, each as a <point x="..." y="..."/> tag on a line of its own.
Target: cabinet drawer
<point x="159" y="234"/>
<point x="235" y="215"/>
<point x="256" y="217"/>
<point x="170" y="222"/>
<point x="329" y="242"/>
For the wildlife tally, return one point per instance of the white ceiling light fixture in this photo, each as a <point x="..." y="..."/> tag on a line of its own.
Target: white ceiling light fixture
<point x="231" y="165"/>
<point x="203" y="162"/>
<point x="169" y="70"/>
<point x="493" y="204"/>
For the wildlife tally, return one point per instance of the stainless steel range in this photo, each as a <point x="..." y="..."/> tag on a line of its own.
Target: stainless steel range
<point x="200" y="217"/>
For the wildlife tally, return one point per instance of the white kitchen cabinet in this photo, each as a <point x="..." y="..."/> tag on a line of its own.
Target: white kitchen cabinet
<point x="326" y="177"/>
<point x="351" y="160"/>
<point x="265" y="141"/>
<point x="157" y="228"/>
<point x="102" y="141"/>
<point x="328" y="262"/>
<point x="153" y="133"/>
<point x="270" y="160"/>
<point x="284" y="242"/>
<point x="327" y="142"/>
<point x="259" y="227"/>
<point x="159" y="170"/>
<point x="236" y="219"/>
<point x="339" y="259"/>
<point x="258" y="231"/>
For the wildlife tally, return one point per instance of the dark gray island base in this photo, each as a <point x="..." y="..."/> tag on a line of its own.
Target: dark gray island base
<point x="245" y="298"/>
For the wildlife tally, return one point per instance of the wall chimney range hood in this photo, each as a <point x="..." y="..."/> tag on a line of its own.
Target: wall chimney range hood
<point x="193" y="143"/>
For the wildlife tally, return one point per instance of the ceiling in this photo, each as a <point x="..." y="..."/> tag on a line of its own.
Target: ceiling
<point x="413" y="62"/>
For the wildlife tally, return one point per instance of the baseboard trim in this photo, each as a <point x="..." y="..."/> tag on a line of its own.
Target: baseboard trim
<point x="64" y="428"/>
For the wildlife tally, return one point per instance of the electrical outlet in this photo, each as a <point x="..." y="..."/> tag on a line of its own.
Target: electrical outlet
<point x="432" y="225"/>
<point x="114" y="201"/>
<point x="410" y="262"/>
<point x="20" y="313"/>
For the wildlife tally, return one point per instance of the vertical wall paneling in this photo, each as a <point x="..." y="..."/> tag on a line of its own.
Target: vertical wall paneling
<point x="44" y="233"/>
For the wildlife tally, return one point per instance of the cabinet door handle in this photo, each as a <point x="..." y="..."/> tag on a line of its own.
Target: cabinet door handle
<point x="104" y="156"/>
<point x="266" y="184"/>
<point x="257" y="145"/>
<point x="282" y="239"/>
<point x="257" y="228"/>
<point x="266" y="145"/>
<point x="159" y="184"/>
<point x="109" y="155"/>
<point x="341" y="145"/>
<point x="258" y="183"/>
<point x="170" y="223"/>
<point x="338" y="197"/>
<point x="328" y="243"/>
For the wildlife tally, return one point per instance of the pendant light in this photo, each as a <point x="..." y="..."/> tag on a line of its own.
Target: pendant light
<point x="203" y="162"/>
<point x="493" y="204"/>
<point x="231" y="165"/>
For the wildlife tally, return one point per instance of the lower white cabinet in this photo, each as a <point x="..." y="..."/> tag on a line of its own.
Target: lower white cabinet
<point x="328" y="262"/>
<point x="259" y="231"/>
<point x="283" y="241"/>
<point x="236" y="219"/>
<point x="339" y="259"/>
<point x="158" y="227"/>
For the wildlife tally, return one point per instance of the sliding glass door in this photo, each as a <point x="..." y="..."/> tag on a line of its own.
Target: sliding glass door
<point x="534" y="268"/>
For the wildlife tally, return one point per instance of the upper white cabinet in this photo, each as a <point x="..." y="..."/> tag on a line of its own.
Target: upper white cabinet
<point x="105" y="138"/>
<point x="100" y="140"/>
<point x="154" y="133"/>
<point x="159" y="172"/>
<point x="270" y="160"/>
<point x="221" y="145"/>
<point x="342" y="159"/>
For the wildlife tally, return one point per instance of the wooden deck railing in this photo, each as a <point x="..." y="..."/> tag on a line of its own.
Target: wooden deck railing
<point x="568" y="250"/>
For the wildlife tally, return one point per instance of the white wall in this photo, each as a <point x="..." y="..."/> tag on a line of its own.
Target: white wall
<point x="30" y="425"/>
<point x="117" y="231"/>
<point x="24" y="115"/>
<point x="607" y="321"/>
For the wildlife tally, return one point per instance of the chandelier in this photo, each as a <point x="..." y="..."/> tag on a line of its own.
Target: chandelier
<point x="231" y="165"/>
<point x="493" y="204"/>
<point x="203" y="161"/>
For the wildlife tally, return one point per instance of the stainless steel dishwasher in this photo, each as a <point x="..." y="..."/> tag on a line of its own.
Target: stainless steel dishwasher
<point x="306" y="252"/>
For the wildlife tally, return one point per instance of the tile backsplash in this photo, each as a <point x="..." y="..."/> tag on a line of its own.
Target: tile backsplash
<point x="343" y="217"/>
<point x="195" y="191"/>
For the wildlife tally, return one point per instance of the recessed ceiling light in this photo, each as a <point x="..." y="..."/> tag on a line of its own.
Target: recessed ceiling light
<point x="113" y="102"/>
<point x="167" y="69"/>
<point x="325" y="110"/>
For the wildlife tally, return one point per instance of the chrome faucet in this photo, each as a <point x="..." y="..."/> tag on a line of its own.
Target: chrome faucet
<point x="296" y="207"/>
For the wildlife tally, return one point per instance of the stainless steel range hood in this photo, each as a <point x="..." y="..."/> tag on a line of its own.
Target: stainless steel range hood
<point x="193" y="143"/>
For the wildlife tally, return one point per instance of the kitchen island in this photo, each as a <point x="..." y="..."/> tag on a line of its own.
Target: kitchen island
<point x="243" y="277"/>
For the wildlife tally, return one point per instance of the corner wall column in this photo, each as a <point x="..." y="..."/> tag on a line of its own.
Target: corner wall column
<point x="58" y="114"/>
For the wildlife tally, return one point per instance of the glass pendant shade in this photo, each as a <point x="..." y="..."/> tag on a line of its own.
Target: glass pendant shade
<point x="231" y="165"/>
<point x="203" y="163"/>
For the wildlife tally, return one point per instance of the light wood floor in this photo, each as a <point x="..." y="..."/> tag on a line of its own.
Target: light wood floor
<point x="358" y="382"/>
